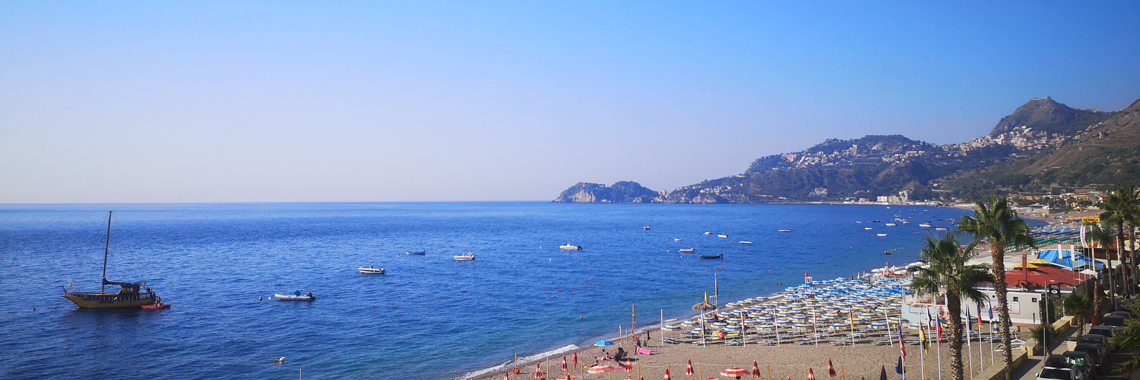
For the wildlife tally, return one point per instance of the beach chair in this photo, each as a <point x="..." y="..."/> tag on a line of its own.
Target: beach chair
<point x="804" y="342"/>
<point x="882" y="341"/>
<point x="840" y="342"/>
<point x="671" y="340"/>
<point x="735" y="342"/>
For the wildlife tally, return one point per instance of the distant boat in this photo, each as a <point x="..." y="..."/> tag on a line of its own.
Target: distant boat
<point x="465" y="257"/>
<point x="709" y="257"/>
<point x="156" y="306"/>
<point x="420" y="253"/>
<point x="676" y="239"/>
<point x="784" y="231"/>
<point x="370" y="270"/>
<point x="647" y="227"/>
<point x="708" y="232"/>
<point x="867" y="228"/>
<point x="686" y="250"/>
<point x="745" y="242"/>
<point x="296" y="296"/>
<point x="890" y="224"/>
<point x="906" y="221"/>
<point x="880" y="235"/>
<point x="130" y="294"/>
<point x="924" y="225"/>
<point x="722" y="236"/>
<point x="944" y="229"/>
<point x="875" y="221"/>
<point x="570" y="247"/>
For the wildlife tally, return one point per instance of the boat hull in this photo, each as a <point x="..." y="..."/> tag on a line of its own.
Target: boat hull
<point x="370" y="270"/>
<point x="290" y="297"/>
<point x="109" y="300"/>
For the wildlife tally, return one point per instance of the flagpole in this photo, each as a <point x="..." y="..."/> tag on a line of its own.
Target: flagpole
<point x="922" y="355"/>
<point x="981" y="355"/>
<point x="662" y="340"/>
<point x="969" y="344"/>
<point x="991" y="339"/>
<point x="939" y="349"/>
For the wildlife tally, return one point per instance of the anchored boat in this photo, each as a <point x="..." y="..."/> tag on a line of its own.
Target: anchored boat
<point x="465" y="257"/>
<point x="130" y="294"/>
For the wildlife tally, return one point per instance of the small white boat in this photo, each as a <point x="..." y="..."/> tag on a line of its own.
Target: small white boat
<point x="890" y="224"/>
<point x="308" y="296"/>
<point x="676" y="239"/>
<point x="880" y="235"/>
<point x="686" y="250"/>
<point x="570" y="247"/>
<point x="648" y="226"/>
<point x="722" y="236"/>
<point x="945" y="229"/>
<point x="745" y="242"/>
<point x="924" y="225"/>
<point x="370" y="270"/>
<point x="784" y="231"/>
<point x="867" y="228"/>
<point x="708" y="232"/>
<point x="465" y="257"/>
<point x="419" y="253"/>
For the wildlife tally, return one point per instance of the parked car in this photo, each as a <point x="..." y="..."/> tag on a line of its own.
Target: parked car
<point x="1122" y="313"/>
<point x="1107" y="331"/>
<point x="1083" y="360"/>
<point x="1106" y="346"/>
<point x="1051" y="373"/>
<point x="1060" y="361"/>
<point x="1117" y="323"/>
<point x="1094" y="354"/>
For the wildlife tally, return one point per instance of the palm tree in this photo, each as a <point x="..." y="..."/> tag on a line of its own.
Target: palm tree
<point x="1000" y="226"/>
<point x="1080" y="306"/>
<point x="949" y="275"/>
<point x="1119" y="208"/>
<point x="1103" y="236"/>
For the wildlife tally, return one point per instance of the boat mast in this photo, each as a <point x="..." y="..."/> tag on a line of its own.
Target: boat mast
<point x="106" y="249"/>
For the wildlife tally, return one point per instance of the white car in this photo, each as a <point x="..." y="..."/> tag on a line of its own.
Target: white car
<point x="1051" y="373"/>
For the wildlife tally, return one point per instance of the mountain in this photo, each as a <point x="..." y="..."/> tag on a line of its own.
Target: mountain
<point x="1040" y="146"/>
<point x="1049" y="116"/>
<point x="620" y="192"/>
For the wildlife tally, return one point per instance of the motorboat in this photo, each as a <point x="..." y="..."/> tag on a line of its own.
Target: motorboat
<point x="784" y="231"/>
<point x="867" y="228"/>
<point x="880" y="235"/>
<point x="420" y="253"/>
<point x="890" y="224"/>
<point x="156" y="306"/>
<point x="647" y="227"/>
<point x="945" y="229"/>
<point x="370" y="270"/>
<point x="708" y="232"/>
<point x="465" y="257"/>
<point x="296" y="296"/>
<point x="722" y="236"/>
<point x="676" y="239"/>
<point x="745" y="242"/>
<point x="709" y="257"/>
<point x="570" y="247"/>
<point x="924" y="225"/>
<point x="686" y="250"/>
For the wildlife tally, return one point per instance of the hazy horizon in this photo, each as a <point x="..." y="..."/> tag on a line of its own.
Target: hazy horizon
<point x="259" y="102"/>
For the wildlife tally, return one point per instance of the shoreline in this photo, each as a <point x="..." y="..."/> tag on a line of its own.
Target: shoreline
<point x="864" y="359"/>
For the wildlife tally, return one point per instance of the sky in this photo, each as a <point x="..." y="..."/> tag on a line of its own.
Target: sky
<point x="296" y="101"/>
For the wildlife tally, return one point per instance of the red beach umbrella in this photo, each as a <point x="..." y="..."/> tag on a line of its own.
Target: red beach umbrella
<point x="538" y="370"/>
<point x="755" y="369"/>
<point x="564" y="362"/>
<point x="667" y="375"/>
<point x="689" y="368"/>
<point x="811" y="375"/>
<point x="628" y="365"/>
<point x="830" y="369"/>
<point x="575" y="358"/>
<point x="507" y="375"/>
<point x="735" y="372"/>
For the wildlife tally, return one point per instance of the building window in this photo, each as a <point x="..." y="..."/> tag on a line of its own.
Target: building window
<point x="1014" y="299"/>
<point x="1032" y="300"/>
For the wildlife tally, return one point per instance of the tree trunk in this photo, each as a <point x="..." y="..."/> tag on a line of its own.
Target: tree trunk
<point x="998" y="253"/>
<point x="1132" y="255"/>
<point x="954" y="308"/>
<point x="1120" y="255"/>
<point x="1098" y="302"/>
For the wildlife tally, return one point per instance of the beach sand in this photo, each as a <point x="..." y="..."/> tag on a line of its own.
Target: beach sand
<point x="786" y="361"/>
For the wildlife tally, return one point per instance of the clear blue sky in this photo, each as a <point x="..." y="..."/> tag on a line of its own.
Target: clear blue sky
<point x="472" y="100"/>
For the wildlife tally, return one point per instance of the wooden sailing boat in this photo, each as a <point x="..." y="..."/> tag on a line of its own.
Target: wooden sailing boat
<point x="129" y="294"/>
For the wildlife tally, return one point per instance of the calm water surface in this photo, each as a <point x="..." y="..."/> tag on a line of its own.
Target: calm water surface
<point x="430" y="317"/>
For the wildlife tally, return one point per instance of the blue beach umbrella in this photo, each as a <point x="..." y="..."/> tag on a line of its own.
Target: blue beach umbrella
<point x="671" y="327"/>
<point x="604" y="342"/>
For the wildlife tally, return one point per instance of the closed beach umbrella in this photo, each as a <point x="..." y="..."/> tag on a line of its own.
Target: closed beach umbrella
<point x="604" y="342"/>
<point x="734" y="372"/>
<point x="667" y="375"/>
<point x="538" y="370"/>
<point x="755" y="369"/>
<point x="689" y="368"/>
<point x="564" y="363"/>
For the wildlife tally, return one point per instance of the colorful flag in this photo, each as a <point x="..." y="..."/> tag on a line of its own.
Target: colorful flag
<point x="939" y="331"/>
<point x="922" y="337"/>
<point x="991" y="309"/>
<point x="979" y="315"/>
<point x="830" y="369"/>
<point x="902" y="347"/>
<point x="851" y="318"/>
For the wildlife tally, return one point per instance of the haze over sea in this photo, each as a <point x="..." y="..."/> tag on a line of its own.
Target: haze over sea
<point x="429" y="317"/>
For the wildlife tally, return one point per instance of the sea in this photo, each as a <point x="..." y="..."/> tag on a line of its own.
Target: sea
<point x="429" y="317"/>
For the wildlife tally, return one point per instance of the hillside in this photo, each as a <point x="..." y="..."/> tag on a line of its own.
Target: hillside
<point x="1040" y="146"/>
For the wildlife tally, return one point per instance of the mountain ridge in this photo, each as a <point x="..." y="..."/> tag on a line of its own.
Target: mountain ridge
<point x="1042" y="144"/>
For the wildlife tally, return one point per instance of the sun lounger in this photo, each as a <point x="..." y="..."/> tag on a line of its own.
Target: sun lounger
<point x="670" y="340"/>
<point x="804" y="342"/>
<point x="882" y="341"/>
<point x="840" y="342"/>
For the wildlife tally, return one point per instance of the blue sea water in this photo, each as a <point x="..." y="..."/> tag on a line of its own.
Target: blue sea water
<point x="430" y="317"/>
